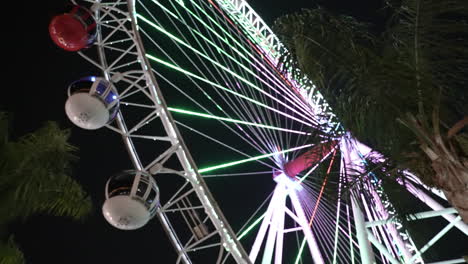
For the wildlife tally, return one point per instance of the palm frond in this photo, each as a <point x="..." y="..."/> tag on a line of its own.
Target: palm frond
<point x="35" y="176"/>
<point x="398" y="92"/>
<point x="3" y="128"/>
<point x="9" y="252"/>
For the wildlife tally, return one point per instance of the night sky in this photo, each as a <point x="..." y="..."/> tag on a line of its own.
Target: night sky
<point x="34" y="90"/>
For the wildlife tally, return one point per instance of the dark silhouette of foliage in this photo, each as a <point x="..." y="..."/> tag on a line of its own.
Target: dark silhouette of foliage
<point x="402" y="91"/>
<point x="35" y="178"/>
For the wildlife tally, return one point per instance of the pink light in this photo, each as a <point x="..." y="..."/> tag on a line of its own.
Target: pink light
<point x="321" y="189"/>
<point x="309" y="159"/>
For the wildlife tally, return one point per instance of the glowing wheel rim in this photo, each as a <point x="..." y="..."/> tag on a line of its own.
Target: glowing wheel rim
<point x="123" y="60"/>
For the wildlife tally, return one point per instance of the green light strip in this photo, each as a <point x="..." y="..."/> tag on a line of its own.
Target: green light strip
<point x="188" y="112"/>
<point x="212" y="31"/>
<point x="229" y="164"/>
<point x="203" y="55"/>
<point x="246" y="231"/>
<point x="166" y="10"/>
<point x="301" y="249"/>
<point x="172" y="66"/>
<point x="219" y="49"/>
<point x="219" y="26"/>
<point x="303" y="85"/>
<point x="220" y="65"/>
<point x="223" y="39"/>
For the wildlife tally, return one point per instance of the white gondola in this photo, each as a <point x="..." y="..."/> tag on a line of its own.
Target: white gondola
<point x="92" y="102"/>
<point x="132" y="199"/>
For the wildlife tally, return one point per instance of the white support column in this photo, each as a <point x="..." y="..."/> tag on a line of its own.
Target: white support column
<point x="367" y="256"/>
<point x="381" y="248"/>
<point x="452" y="261"/>
<point x="311" y="242"/>
<point x="391" y="228"/>
<point x="272" y="232"/>
<point x="270" y="243"/>
<point x="352" y="167"/>
<point x="264" y="226"/>
<point x="280" y="231"/>
<point x="417" y="216"/>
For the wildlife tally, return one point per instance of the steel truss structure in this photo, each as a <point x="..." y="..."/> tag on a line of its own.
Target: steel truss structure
<point x="194" y="222"/>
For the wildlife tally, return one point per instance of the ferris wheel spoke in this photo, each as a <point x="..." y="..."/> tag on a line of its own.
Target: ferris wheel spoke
<point x="218" y="66"/>
<point x="233" y="163"/>
<point x="219" y="49"/>
<point x="232" y="105"/>
<point x="324" y="230"/>
<point x="270" y="145"/>
<point x="252" y="112"/>
<point x="192" y="113"/>
<point x="236" y="174"/>
<point x="250" y="142"/>
<point x="249" y="225"/>
<point x="252" y="55"/>
<point x="241" y="53"/>
<point x="180" y="42"/>
<point x="223" y="144"/>
<point x="169" y="65"/>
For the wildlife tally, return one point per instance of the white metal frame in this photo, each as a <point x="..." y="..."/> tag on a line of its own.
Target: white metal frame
<point x="409" y="253"/>
<point x="262" y="36"/>
<point x="121" y="58"/>
<point x="274" y="221"/>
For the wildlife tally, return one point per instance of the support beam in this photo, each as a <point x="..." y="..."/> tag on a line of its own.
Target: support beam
<point x="264" y="226"/>
<point x="452" y="261"/>
<point x="421" y="195"/>
<point x="418" y="216"/>
<point x="311" y="242"/>
<point x="367" y="256"/>
<point x="274" y="224"/>
<point x="381" y="248"/>
<point x="280" y="232"/>
<point x="435" y="239"/>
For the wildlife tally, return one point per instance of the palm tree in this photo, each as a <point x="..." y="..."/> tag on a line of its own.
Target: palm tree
<point x="401" y="91"/>
<point x="35" y="178"/>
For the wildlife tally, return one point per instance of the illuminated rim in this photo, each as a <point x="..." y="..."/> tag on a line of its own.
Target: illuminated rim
<point x="123" y="60"/>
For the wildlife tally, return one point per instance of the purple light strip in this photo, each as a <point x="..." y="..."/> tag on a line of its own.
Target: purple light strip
<point x="301" y="108"/>
<point x="311" y="242"/>
<point x="375" y="230"/>
<point x="322" y="223"/>
<point x="399" y="246"/>
<point x="351" y="240"/>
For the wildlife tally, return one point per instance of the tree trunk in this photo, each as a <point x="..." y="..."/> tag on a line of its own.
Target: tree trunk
<point x="449" y="164"/>
<point x="454" y="182"/>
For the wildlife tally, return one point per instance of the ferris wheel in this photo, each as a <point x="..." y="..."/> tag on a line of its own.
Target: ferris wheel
<point x="239" y="161"/>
